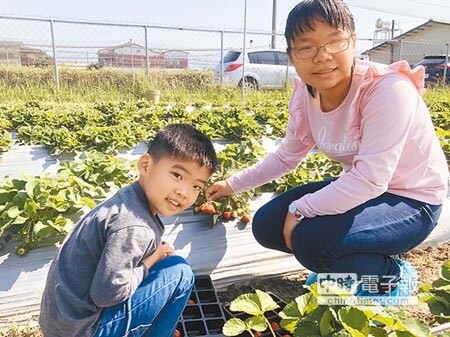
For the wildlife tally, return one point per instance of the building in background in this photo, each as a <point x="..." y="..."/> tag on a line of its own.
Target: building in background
<point x="429" y="38"/>
<point x="13" y="52"/>
<point x="132" y="55"/>
<point x="175" y="59"/>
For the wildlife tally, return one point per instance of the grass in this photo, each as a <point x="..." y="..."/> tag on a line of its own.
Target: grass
<point x="82" y="85"/>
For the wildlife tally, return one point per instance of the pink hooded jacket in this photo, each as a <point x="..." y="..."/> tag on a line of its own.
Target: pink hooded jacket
<point x="381" y="134"/>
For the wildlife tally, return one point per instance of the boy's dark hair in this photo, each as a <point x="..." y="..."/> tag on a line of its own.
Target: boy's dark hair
<point x="184" y="142"/>
<point x="302" y="17"/>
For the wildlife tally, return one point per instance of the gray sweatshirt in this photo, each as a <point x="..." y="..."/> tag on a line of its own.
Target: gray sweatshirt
<point x="99" y="264"/>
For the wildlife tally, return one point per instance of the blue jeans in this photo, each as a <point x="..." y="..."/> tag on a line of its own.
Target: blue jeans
<point x="359" y="241"/>
<point x="154" y="309"/>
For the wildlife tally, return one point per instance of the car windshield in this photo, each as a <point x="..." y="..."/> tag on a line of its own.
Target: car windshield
<point x="231" y="56"/>
<point x="431" y="61"/>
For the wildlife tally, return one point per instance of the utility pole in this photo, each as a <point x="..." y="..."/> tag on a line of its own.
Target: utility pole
<point x="274" y="23"/>
<point x="392" y="41"/>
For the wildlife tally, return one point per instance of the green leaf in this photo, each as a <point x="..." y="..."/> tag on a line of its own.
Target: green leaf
<point x="13" y="212"/>
<point x="354" y="321"/>
<point x="445" y="271"/>
<point x="233" y="327"/>
<point x="376" y="331"/>
<point x="43" y="231"/>
<point x="417" y="327"/>
<point x="85" y="201"/>
<point x="30" y="186"/>
<point x="326" y="323"/>
<point x="307" y="327"/>
<point x="306" y="303"/>
<point x="266" y="301"/>
<point x="256" y="323"/>
<point x="247" y="303"/>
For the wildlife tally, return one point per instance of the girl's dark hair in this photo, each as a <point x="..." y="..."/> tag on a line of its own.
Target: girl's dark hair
<point x="302" y="17"/>
<point x="183" y="141"/>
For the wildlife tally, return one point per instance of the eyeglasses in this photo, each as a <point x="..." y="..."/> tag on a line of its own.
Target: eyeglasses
<point x="332" y="47"/>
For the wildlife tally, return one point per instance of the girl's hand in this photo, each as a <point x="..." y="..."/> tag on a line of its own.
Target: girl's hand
<point x="289" y="224"/>
<point x="218" y="190"/>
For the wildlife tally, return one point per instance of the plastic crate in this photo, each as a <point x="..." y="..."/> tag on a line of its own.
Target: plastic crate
<point x="271" y="315"/>
<point x="203" y="315"/>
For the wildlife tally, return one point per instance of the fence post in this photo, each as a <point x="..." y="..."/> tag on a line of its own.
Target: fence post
<point x="444" y="82"/>
<point x="55" y="60"/>
<point x="243" y="52"/>
<point x="221" y="58"/>
<point x="147" y="61"/>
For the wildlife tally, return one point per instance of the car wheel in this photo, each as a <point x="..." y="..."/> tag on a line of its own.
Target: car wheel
<point x="249" y="83"/>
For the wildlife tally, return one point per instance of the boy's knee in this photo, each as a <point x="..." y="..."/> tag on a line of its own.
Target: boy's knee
<point x="180" y="269"/>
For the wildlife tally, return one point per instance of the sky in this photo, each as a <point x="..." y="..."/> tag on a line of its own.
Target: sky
<point x="226" y="14"/>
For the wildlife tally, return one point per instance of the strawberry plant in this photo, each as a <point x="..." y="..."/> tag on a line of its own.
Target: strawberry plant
<point x="42" y="208"/>
<point x="37" y="208"/>
<point x="305" y="317"/>
<point x="315" y="167"/>
<point x="96" y="168"/>
<point x="437" y="295"/>
<point x="255" y="305"/>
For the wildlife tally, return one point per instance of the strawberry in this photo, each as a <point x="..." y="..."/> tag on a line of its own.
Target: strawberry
<point x="275" y="326"/>
<point x="202" y="207"/>
<point x="246" y="218"/>
<point x="226" y="215"/>
<point x="207" y="208"/>
<point x="176" y="333"/>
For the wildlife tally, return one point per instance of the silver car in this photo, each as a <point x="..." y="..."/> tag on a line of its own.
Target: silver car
<point x="264" y="69"/>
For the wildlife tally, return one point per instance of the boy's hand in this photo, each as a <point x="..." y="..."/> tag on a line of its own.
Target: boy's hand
<point x="164" y="250"/>
<point x="168" y="250"/>
<point x="218" y="190"/>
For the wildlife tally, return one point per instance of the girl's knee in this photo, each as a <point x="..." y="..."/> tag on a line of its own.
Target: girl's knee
<point x="263" y="232"/>
<point x="310" y="254"/>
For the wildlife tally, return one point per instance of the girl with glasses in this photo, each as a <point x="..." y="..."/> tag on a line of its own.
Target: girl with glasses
<point x="372" y="119"/>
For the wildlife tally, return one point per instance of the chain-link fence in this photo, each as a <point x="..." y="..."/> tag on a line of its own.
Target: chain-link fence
<point x="146" y="48"/>
<point x="75" y="44"/>
<point x="433" y="56"/>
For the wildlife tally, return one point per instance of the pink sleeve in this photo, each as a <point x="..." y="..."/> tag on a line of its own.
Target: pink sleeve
<point x="387" y="110"/>
<point x="294" y="147"/>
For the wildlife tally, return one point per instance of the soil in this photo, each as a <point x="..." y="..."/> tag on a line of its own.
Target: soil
<point x="427" y="261"/>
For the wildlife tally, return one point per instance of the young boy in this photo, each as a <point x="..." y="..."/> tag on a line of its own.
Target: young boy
<point x="113" y="275"/>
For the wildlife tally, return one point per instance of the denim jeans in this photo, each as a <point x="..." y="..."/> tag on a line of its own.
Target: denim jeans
<point x="154" y="309"/>
<point x="361" y="240"/>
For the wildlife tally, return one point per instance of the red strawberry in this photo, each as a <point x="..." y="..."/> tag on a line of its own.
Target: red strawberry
<point x="226" y="215"/>
<point x="275" y="326"/>
<point x="210" y="209"/>
<point x="207" y="208"/>
<point x="246" y="218"/>
<point x="177" y="333"/>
